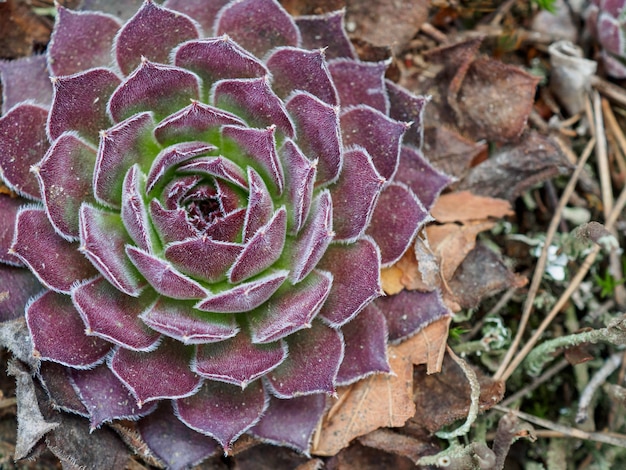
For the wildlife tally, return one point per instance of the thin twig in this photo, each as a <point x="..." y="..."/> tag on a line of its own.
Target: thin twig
<point x="503" y="9"/>
<point x="598" y="379"/>
<point x="541" y="263"/>
<point x="574" y="283"/>
<point x="612" y="92"/>
<point x="616" y="131"/>
<point x="606" y="438"/>
<point x="547" y="375"/>
<point x="602" y="158"/>
<point x="615" y="262"/>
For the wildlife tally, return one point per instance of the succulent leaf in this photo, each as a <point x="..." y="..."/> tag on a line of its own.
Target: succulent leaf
<point x="186" y="324"/>
<point x="355" y="194"/>
<point x="9" y="207"/>
<point x="172" y="441"/>
<point x="419" y="175"/>
<point x="394" y="230"/>
<point x="217" y="59"/>
<point x="290" y="422"/>
<point x="376" y="133"/>
<point x="58" y="333"/>
<point x="296" y="69"/>
<point x="291" y="309"/>
<point x="215" y="360"/>
<point x="311" y="367"/>
<point x="154" y="87"/>
<point x="223" y="411"/>
<point x="23" y="142"/>
<point x="327" y="32"/>
<point x="315" y="237"/>
<point x="360" y="83"/>
<point x="104" y="396"/>
<point x="62" y="191"/>
<point x="103" y="240"/>
<point x="26" y="78"/>
<point x="254" y="100"/>
<point x="299" y="181"/>
<point x="366" y="346"/>
<point x="263" y="249"/>
<point x="80" y="103"/>
<point x="142" y="36"/>
<point x="203" y="257"/>
<point x="317" y="126"/>
<point x="258" y="25"/>
<point x="409" y="308"/>
<point x="18" y="286"/>
<point x="159" y="374"/>
<point x="163" y="276"/>
<point x="42" y="249"/>
<point x="112" y="316"/>
<point x="246" y="296"/>
<point x="356" y="279"/>
<point x="121" y="146"/>
<point x="80" y="41"/>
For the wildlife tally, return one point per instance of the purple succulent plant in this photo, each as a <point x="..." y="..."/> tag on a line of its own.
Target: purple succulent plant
<point x="606" y="21"/>
<point x="197" y="224"/>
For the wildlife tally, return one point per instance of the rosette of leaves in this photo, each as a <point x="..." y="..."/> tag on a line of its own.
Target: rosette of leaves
<point x="195" y="223"/>
<point x="606" y="21"/>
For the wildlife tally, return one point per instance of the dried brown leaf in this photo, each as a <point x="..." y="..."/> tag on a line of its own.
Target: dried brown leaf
<point x="21" y="29"/>
<point x="385" y="23"/>
<point x="269" y="457"/>
<point x="463" y="206"/>
<point x="495" y="100"/>
<point x="391" y="279"/>
<point x="452" y="242"/>
<point x="31" y="425"/>
<point x="382" y="400"/>
<point x="366" y="458"/>
<point x="445" y="397"/>
<point x="449" y="151"/>
<point x="399" y="444"/>
<point x="516" y="168"/>
<point x="405" y="274"/>
<point x="482" y="274"/>
<point x="479" y="96"/>
<point x="77" y="447"/>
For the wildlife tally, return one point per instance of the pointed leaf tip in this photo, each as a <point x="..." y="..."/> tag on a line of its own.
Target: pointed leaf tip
<point x="58" y="333"/>
<point x="143" y="36"/>
<point x="258" y="25"/>
<point x="223" y="411"/>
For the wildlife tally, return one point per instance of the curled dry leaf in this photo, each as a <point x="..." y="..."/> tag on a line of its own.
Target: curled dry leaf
<point x="405" y="274"/>
<point x="449" y="151"/>
<point x="382" y="400"/>
<point x="482" y="274"/>
<point x="32" y="426"/>
<point x="399" y="444"/>
<point x="515" y="168"/>
<point x="452" y="242"/>
<point x="447" y="245"/>
<point x="445" y="397"/>
<point x="484" y="98"/>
